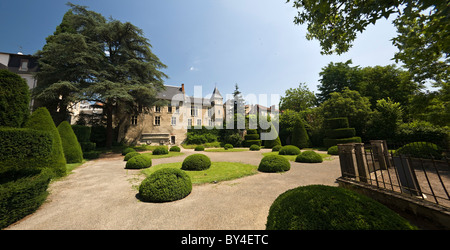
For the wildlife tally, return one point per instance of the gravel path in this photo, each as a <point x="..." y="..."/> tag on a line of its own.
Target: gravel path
<point x="101" y="194"/>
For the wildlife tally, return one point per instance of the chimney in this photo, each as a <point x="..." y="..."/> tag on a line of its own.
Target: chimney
<point x="182" y="88"/>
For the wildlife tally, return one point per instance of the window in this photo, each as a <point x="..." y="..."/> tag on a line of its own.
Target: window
<point x="169" y="108"/>
<point x="134" y="120"/>
<point x="174" y="121"/>
<point x="199" y="122"/>
<point x="157" y="120"/>
<point x="194" y="111"/>
<point x="177" y="110"/>
<point x="189" y="122"/>
<point x="210" y="123"/>
<point x="157" y="109"/>
<point x="23" y="65"/>
<point x="210" y="112"/>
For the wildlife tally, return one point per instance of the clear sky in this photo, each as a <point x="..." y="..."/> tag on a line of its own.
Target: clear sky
<point x="252" y="43"/>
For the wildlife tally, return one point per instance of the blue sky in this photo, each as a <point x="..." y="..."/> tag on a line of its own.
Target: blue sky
<point x="252" y="43"/>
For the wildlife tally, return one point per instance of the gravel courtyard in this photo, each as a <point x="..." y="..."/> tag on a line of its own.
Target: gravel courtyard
<point x="101" y="194"/>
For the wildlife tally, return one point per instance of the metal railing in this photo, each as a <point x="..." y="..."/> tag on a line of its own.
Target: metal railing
<point x="398" y="169"/>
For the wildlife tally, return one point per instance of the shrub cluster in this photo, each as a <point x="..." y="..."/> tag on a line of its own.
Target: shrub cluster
<point x="251" y="138"/>
<point x="130" y="155"/>
<point x="139" y="162"/>
<point x="274" y="163"/>
<point x="196" y="162"/>
<point x="83" y="134"/>
<point x="160" y="150"/>
<point x="175" y="149"/>
<point x="289" y="150"/>
<point x="164" y="185"/>
<point x="71" y="147"/>
<point x="228" y="146"/>
<point x="318" y="207"/>
<point x="128" y="150"/>
<point x="425" y="150"/>
<point x="338" y="132"/>
<point x="199" y="148"/>
<point x="333" y="150"/>
<point x="255" y="147"/>
<point x="309" y="156"/>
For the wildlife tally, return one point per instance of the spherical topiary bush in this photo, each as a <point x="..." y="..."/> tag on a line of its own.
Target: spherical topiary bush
<point x="227" y="146"/>
<point x="175" y="149"/>
<point x="333" y="150"/>
<point x="425" y="150"/>
<point x="130" y="155"/>
<point x="167" y="184"/>
<point x="138" y="162"/>
<point x="276" y="148"/>
<point x="309" y="157"/>
<point x="161" y="150"/>
<point x="274" y="163"/>
<point x="196" y="162"/>
<point x="199" y="148"/>
<point x="319" y="207"/>
<point x="128" y="150"/>
<point x="255" y="147"/>
<point x="289" y="150"/>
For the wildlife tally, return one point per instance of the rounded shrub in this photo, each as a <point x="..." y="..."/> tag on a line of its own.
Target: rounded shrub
<point x="425" y="150"/>
<point x="160" y="150"/>
<point x="14" y="99"/>
<point x="255" y="147"/>
<point x="167" y="184"/>
<point x="276" y="148"/>
<point x="196" y="162"/>
<point x="227" y="146"/>
<point x="199" y="148"/>
<point x="319" y="207"/>
<point x="139" y="162"/>
<point x="128" y="150"/>
<point x="274" y="163"/>
<point x="71" y="147"/>
<point x="333" y="150"/>
<point x="175" y="149"/>
<point x="309" y="157"/>
<point x="130" y="155"/>
<point x="289" y="150"/>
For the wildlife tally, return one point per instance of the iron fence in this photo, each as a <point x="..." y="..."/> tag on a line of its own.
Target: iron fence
<point x="416" y="170"/>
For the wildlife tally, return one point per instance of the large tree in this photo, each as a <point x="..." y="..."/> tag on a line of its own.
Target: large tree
<point x="298" y="99"/>
<point x="423" y="30"/>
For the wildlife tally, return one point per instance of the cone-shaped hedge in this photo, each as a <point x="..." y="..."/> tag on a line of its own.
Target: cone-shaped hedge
<point x="71" y="147"/>
<point x="300" y="137"/>
<point x="42" y="120"/>
<point x="14" y="99"/>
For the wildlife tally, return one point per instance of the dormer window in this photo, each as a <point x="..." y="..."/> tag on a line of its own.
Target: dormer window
<point x="23" y="65"/>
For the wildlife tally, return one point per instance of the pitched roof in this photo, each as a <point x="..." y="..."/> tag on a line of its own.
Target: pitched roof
<point x="169" y="92"/>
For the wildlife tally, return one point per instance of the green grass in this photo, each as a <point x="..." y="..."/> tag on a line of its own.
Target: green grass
<point x="227" y="150"/>
<point x="170" y="154"/>
<point x="219" y="171"/>
<point x="325" y="157"/>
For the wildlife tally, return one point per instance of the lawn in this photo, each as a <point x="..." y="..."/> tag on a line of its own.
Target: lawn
<point x="325" y="157"/>
<point x="219" y="171"/>
<point x="226" y="150"/>
<point x="171" y="154"/>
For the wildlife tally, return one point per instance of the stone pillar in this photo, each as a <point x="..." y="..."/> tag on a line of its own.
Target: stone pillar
<point x="361" y="163"/>
<point x="379" y="151"/>
<point x="347" y="160"/>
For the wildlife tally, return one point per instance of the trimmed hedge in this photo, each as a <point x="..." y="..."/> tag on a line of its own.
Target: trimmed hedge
<point x="164" y="185"/>
<point x="424" y="150"/>
<point x="276" y="148"/>
<point x="289" y="150"/>
<point x="130" y="155"/>
<point x="22" y="196"/>
<point x="71" y="147"/>
<point x="333" y="150"/>
<point x="252" y="132"/>
<point x="255" y="147"/>
<point x="319" y="207"/>
<point x="196" y="162"/>
<point x="175" y="149"/>
<point x="14" y="99"/>
<point x="90" y="155"/>
<point x="22" y="148"/>
<point x="336" y="123"/>
<point x="273" y="164"/>
<point x="160" y="150"/>
<point x="251" y="142"/>
<point x="128" y="150"/>
<point x="199" y="148"/>
<point x="309" y="156"/>
<point x="333" y="142"/>
<point x="139" y="162"/>
<point x="249" y="137"/>
<point x="228" y="146"/>
<point x="83" y="133"/>
<point x="340" y="133"/>
<point x="41" y="120"/>
<point x="300" y="137"/>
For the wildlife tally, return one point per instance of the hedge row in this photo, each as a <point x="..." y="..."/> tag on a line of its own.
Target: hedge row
<point x="332" y="142"/>
<point x="338" y="132"/>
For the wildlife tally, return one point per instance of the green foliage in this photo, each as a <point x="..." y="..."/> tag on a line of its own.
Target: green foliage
<point x="333" y="150"/>
<point x="249" y="143"/>
<point x="385" y="120"/>
<point x="300" y="137"/>
<point x="14" y="99"/>
<point x="87" y="146"/>
<point x="161" y="150"/>
<point x="425" y="150"/>
<point x="276" y="148"/>
<point x="234" y="139"/>
<point x="23" y="195"/>
<point x="332" y="142"/>
<point x="289" y="150"/>
<point x="40" y="119"/>
<point x="252" y="132"/>
<point x="83" y="133"/>
<point x="90" y="155"/>
<point x="336" y="123"/>
<point x="164" y="185"/>
<point x="319" y="207"/>
<point x="139" y="162"/>
<point x="255" y="147"/>
<point x="71" y="147"/>
<point x="309" y="156"/>
<point x="196" y="162"/>
<point x="130" y="155"/>
<point x="251" y="137"/>
<point x="423" y="131"/>
<point x="128" y="150"/>
<point x="298" y="99"/>
<point x="199" y="148"/>
<point x="338" y="135"/>
<point x="228" y="146"/>
<point x="274" y="163"/>
<point x="175" y="149"/>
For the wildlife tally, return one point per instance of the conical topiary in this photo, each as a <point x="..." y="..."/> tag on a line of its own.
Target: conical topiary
<point x="42" y="120"/>
<point x="71" y="147"/>
<point x="300" y="137"/>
